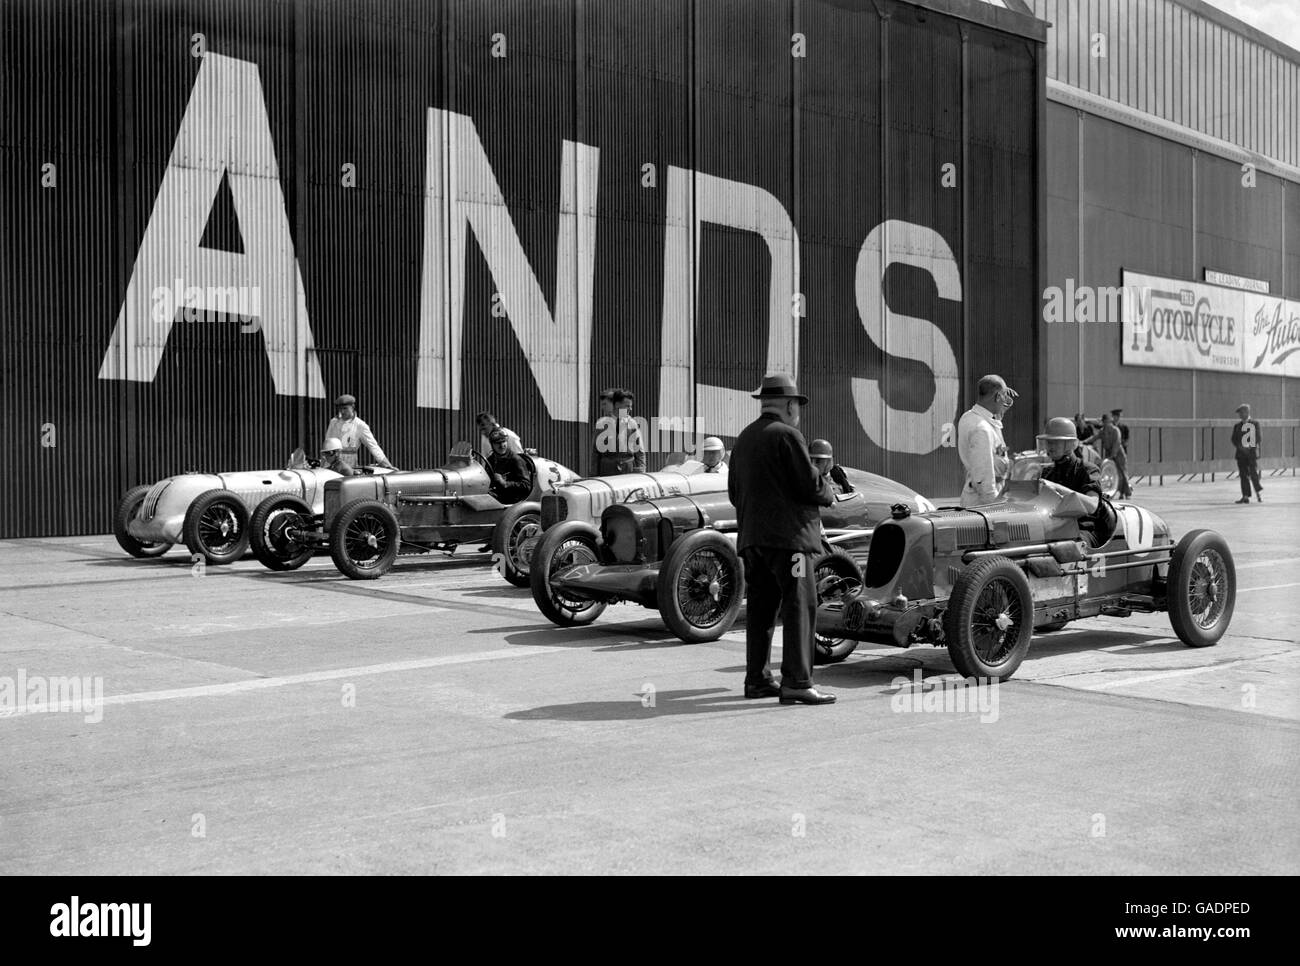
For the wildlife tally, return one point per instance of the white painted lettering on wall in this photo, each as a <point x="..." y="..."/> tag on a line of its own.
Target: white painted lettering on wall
<point x="906" y="337"/>
<point x="462" y="196"/>
<point x="224" y="132"/>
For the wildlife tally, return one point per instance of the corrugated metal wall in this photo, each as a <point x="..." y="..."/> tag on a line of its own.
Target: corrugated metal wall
<point x="1180" y="60"/>
<point x="375" y="133"/>
<point x="1120" y="198"/>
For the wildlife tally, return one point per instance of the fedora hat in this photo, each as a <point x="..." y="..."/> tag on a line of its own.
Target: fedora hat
<point x="780" y="387"/>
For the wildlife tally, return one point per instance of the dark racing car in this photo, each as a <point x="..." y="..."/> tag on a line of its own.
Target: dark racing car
<point x="981" y="581"/>
<point x="677" y="554"/>
<point x="368" y="520"/>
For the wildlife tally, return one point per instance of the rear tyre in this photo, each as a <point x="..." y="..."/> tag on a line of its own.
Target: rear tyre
<point x="364" y="539"/>
<point x="216" y="527"/>
<point x="1202" y="588"/>
<point x="990" y="619"/>
<point x="274" y="529"/>
<point x="518" y="528"/>
<point x="831" y="572"/>
<point x="563" y="546"/>
<point x="126" y="511"/>
<point x="701" y="586"/>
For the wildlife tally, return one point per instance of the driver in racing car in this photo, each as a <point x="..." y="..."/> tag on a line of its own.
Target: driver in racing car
<point x="823" y="457"/>
<point x="512" y="477"/>
<point x="331" y="457"/>
<point x="1068" y="469"/>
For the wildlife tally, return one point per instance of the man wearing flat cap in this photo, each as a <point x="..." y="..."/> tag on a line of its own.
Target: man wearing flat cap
<point x="777" y="491"/>
<point x="1245" y="437"/>
<point x="353" y="432"/>
<point x="979" y="442"/>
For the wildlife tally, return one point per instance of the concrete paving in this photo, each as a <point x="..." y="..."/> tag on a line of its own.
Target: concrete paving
<point x="433" y="721"/>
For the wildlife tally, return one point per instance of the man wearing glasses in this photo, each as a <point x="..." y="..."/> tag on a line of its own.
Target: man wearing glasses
<point x="980" y="445"/>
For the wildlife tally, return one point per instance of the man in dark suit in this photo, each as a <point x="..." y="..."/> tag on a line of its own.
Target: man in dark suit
<point x="777" y="491"/>
<point x="1245" y="436"/>
<point x="1068" y="469"/>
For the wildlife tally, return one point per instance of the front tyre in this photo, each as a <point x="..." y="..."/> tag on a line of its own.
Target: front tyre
<point x="990" y="619"/>
<point x="831" y="572"/>
<point x="1108" y="478"/>
<point x="701" y="586"/>
<point x="127" y="508"/>
<point x="1202" y="588"/>
<point x="216" y="527"/>
<point x="563" y="546"/>
<point x="276" y="532"/>
<point x="364" y="539"/>
<point x="518" y="528"/>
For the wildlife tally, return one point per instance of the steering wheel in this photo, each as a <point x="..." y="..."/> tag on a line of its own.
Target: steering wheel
<point x="481" y="460"/>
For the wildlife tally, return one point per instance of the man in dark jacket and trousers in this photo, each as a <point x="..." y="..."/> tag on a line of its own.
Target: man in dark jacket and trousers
<point x="1068" y="469"/>
<point x="512" y="477"/>
<point x="777" y="491"/>
<point x="1245" y="436"/>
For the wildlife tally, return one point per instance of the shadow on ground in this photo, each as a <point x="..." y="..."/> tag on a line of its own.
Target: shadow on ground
<point x="696" y="701"/>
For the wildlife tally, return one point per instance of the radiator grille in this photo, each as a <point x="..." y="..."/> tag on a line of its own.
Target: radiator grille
<point x="554" y="510"/>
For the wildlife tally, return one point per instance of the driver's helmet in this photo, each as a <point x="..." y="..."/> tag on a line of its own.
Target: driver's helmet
<point x="1059" y="429"/>
<point x="823" y="457"/>
<point x="498" y="435"/>
<point x="332" y="444"/>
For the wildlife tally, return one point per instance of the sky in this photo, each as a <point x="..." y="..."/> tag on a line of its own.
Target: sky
<point x="1277" y="18"/>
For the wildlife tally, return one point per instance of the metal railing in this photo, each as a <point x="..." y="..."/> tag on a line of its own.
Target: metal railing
<point x="1188" y="448"/>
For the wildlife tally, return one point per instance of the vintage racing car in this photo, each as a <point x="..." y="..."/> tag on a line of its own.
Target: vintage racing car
<point x="982" y="580"/>
<point x="210" y="512"/>
<point x="676" y="554"/>
<point x="584" y="499"/>
<point x="367" y="521"/>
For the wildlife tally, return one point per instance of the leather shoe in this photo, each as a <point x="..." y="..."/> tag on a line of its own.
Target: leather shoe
<point x="1244" y="499"/>
<point x="805" y="696"/>
<point x="768" y="689"/>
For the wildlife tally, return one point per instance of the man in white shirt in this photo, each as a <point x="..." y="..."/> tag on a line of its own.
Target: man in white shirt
<point x="354" y="433"/>
<point x="979" y="442"/>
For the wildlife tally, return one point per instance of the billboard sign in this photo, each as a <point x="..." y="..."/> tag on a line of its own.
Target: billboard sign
<point x="1179" y="324"/>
